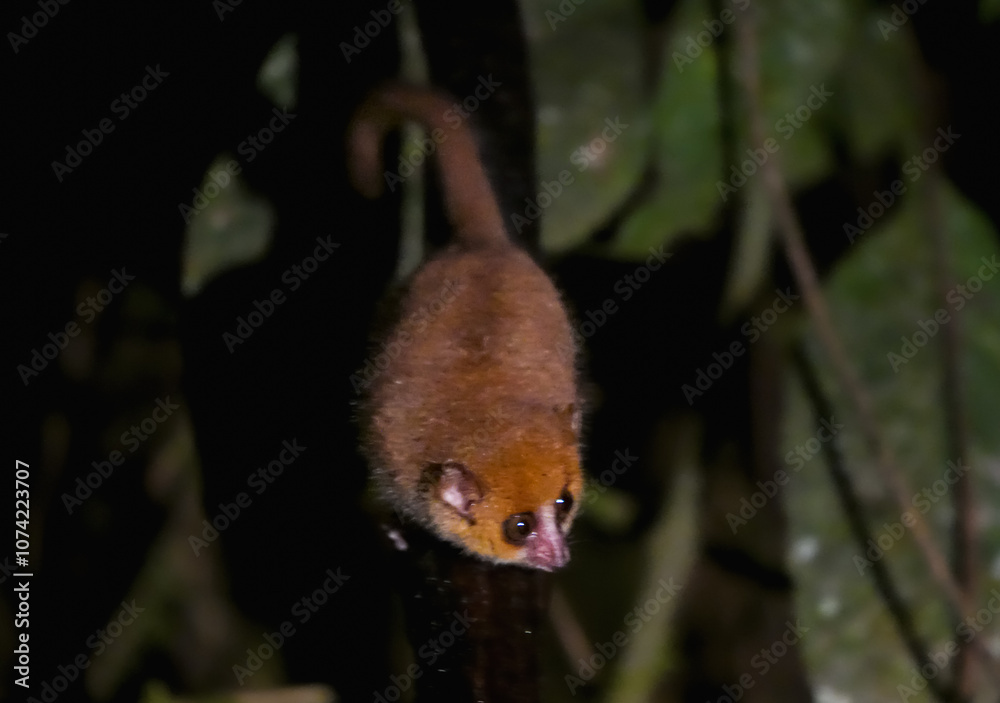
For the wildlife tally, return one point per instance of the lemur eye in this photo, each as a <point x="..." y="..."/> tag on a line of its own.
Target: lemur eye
<point x="517" y="528"/>
<point x="564" y="505"/>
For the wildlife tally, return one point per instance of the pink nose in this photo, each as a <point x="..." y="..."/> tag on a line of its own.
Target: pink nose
<point x="548" y="553"/>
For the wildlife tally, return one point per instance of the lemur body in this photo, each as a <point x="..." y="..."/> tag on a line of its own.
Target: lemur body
<point x="473" y="427"/>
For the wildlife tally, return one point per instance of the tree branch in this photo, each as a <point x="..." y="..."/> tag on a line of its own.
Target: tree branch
<point x="855" y="512"/>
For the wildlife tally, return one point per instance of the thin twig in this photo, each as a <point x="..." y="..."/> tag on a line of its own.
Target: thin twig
<point x="853" y="509"/>
<point x="964" y="536"/>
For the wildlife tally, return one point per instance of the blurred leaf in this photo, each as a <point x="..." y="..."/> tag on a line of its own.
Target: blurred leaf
<point x="232" y="228"/>
<point x="587" y="69"/>
<point x="278" y="78"/>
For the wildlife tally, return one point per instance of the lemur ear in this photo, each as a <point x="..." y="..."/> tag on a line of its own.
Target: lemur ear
<point x="456" y="485"/>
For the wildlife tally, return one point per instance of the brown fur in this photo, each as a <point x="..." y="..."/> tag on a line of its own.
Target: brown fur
<point x="487" y="379"/>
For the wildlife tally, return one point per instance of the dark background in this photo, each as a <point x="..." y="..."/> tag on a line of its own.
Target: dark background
<point x="566" y="71"/>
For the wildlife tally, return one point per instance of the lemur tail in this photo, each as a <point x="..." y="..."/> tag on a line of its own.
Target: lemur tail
<point x="469" y="199"/>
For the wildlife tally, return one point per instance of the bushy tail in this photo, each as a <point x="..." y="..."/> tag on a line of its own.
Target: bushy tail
<point x="469" y="200"/>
